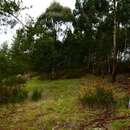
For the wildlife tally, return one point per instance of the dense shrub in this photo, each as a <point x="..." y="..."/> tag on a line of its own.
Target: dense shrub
<point x="123" y="102"/>
<point x="104" y="97"/>
<point x="13" y="80"/>
<point x="10" y="81"/>
<point x="12" y="89"/>
<point x="12" y="93"/>
<point x="96" y="96"/>
<point x="19" y="95"/>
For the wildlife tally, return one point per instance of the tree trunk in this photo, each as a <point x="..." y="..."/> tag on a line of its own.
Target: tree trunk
<point x="114" y="66"/>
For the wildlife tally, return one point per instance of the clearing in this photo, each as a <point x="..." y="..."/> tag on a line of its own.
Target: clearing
<point x="60" y="109"/>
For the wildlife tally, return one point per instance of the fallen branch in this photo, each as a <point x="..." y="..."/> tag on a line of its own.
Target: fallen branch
<point x="103" y="121"/>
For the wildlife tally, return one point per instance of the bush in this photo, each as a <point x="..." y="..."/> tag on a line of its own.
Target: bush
<point x="19" y="95"/>
<point x="123" y="102"/>
<point x="104" y="97"/>
<point x="12" y="94"/>
<point x="96" y="96"/>
<point x="12" y="89"/>
<point x="36" y="95"/>
<point x="13" y="80"/>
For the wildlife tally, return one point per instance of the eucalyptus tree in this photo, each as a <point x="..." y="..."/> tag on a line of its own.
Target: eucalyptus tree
<point x="101" y="22"/>
<point x="120" y="10"/>
<point x="89" y="15"/>
<point x="54" y="17"/>
<point x="48" y="30"/>
<point x="8" y="12"/>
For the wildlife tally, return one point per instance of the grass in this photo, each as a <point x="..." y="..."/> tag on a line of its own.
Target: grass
<point x="54" y="89"/>
<point x="59" y="105"/>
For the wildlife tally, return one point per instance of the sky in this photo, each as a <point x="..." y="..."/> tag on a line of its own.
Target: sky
<point x="38" y="7"/>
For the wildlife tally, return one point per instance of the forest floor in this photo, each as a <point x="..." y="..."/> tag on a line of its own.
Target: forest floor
<point x="60" y="109"/>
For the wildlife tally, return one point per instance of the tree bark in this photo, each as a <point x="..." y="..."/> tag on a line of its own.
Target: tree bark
<point x="114" y="66"/>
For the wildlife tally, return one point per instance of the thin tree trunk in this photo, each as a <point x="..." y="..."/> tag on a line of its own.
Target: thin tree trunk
<point x="114" y="67"/>
<point x="108" y="65"/>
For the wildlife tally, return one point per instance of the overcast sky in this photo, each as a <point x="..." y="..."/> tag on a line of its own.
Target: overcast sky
<point x="38" y="7"/>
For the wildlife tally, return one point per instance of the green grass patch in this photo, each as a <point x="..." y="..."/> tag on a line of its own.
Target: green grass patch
<point x="54" y="89"/>
<point x="117" y="125"/>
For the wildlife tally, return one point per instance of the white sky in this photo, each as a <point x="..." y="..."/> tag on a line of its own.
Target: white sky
<point x="38" y="7"/>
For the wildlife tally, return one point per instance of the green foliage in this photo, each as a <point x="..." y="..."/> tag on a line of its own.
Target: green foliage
<point x="98" y="98"/>
<point x="12" y="89"/>
<point x="18" y="95"/>
<point x="58" y="13"/>
<point x="87" y="48"/>
<point x="36" y="94"/>
<point x="8" y="9"/>
<point x="119" y="124"/>
<point x="53" y="18"/>
<point x="104" y="97"/>
<point x="123" y="102"/>
<point x="12" y="94"/>
<point x="9" y="6"/>
<point x="44" y="55"/>
<point x="13" y="80"/>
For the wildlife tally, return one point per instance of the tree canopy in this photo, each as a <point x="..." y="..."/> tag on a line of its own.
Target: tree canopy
<point x="8" y="11"/>
<point x="97" y="42"/>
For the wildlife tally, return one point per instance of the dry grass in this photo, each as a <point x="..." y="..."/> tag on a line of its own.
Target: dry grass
<point x="58" y="107"/>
